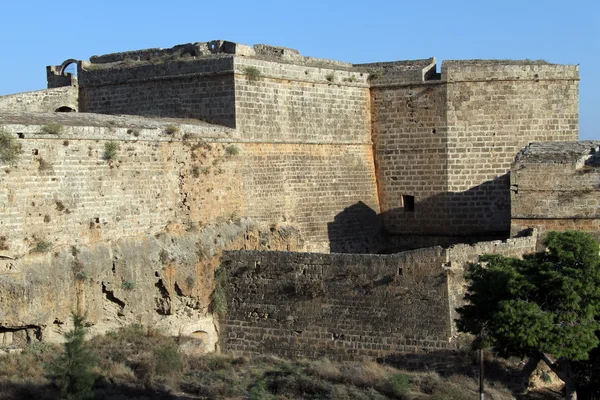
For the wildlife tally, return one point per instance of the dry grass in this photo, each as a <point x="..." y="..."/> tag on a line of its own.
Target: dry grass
<point x="137" y="362"/>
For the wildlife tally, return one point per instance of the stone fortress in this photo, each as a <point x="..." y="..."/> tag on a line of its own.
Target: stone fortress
<point x="338" y="203"/>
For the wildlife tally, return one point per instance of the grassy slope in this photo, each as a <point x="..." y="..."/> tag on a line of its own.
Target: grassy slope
<point x="139" y="364"/>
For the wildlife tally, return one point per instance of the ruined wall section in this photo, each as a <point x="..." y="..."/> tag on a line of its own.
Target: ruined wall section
<point x="338" y="306"/>
<point x="279" y="102"/>
<point x="193" y="88"/>
<point x="347" y="307"/>
<point x="494" y="108"/>
<point x="48" y="100"/>
<point x="555" y="187"/>
<point x="409" y="137"/>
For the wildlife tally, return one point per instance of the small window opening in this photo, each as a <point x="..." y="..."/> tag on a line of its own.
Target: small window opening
<point x="34" y="152"/>
<point x="21" y="135"/>
<point x="408" y="203"/>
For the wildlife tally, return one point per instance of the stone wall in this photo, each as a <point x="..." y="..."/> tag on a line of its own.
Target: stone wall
<point x="555" y="186"/>
<point x="444" y="144"/>
<point x="409" y="136"/>
<point x="296" y="103"/>
<point x="48" y="100"/>
<point x="495" y="108"/>
<point x="201" y="89"/>
<point x="345" y="306"/>
<point x="62" y="190"/>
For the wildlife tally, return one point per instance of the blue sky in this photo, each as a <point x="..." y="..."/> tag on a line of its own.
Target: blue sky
<point x="39" y="33"/>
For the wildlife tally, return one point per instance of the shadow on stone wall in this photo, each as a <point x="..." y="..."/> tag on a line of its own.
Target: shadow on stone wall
<point x="357" y="229"/>
<point x="481" y="213"/>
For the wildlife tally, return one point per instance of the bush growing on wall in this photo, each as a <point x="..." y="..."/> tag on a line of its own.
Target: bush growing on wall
<point x="9" y="148"/>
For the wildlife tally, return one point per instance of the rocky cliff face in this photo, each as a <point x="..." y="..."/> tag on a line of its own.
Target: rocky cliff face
<point x="163" y="281"/>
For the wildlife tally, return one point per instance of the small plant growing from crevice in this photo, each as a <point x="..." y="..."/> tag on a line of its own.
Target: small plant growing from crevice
<point x="164" y="256"/>
<point x="218" y="298"/>
<point x="190" y="281"/>
<point x="52" y="129"/>
<point x="41" y="246"/>
<point x="9" y="148"/>
<point x="79" y="271"/>
<point x="134" y="132"/>
<point x="72" y="372"/>
<point x="330" y="77"/>
<point x="128" y="285"/>
<point x="252" y="73"/>
<point x="232" y="150"/>
<point x="171" y="129"/>
<point x="351" y="79"/>
<point x="373" y="76"/>
<point x="44" y="165"/>
<point x="59" y="205"/>
<point x="110" y="150"/>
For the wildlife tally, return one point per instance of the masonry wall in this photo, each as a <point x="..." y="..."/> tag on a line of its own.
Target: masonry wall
<point x="460" y="255"/>
<point x="344" y="306"/>
<point x="48" y="100"/>
<point x="336" y="306"/>
<point x="409" y="136"/>
<point x="300" y="103"/>
<point x="494" y="108"/>
<point x="63" y="191"/>
<point x="555" y="188"/>
<point x="201" y="89"/>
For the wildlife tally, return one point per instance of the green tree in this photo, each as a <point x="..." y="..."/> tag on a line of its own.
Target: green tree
<point x="72" y="370"/>
<point x="545" y="306"/>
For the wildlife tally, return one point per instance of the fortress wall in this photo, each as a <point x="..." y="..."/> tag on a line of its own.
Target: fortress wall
<point x="309" y="186"/>
<point x="348" y="307"/>
<point x="409" y="136"/>
<point x="201" y="89"/>
<point x="494" y="110"/>
<point x="48" y="100"/>
<point x="547" y="190"/>
<point x="299" y="103"/>
<point x="338" y="306"/>
<point x="554" y="186"/>
<point x="63" y="192"/>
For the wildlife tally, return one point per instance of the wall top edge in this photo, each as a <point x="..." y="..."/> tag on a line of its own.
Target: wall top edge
<point x="586" y="151"/>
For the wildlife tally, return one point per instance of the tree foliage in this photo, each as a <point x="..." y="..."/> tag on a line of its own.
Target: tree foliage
<point x="546" y="305"/>
<point x="73" y="372"/>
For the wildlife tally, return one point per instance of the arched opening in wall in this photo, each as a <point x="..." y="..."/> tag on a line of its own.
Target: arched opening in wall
<point x="65" y="109"/>
<point x="69" y="67"/>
